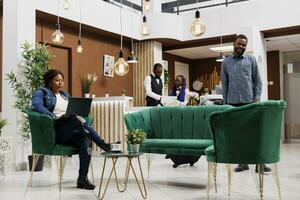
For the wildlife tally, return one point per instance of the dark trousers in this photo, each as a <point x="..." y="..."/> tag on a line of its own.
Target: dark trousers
<point x="73" y="132"/>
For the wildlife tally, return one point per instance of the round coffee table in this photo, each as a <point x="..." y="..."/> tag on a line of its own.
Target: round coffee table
<point x="114" y="156"/>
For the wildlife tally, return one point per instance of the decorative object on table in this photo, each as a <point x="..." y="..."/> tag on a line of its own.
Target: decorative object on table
<point x="87" y="84"/>
<point x="108" y="65"/>
<point x="106" y="94"/>
<point x="123" y="92"/>
<point x="193" y="99"/>
<point x="35" y="63"/>
<point x="134" y="138"/>
<point x="93" y="95"/>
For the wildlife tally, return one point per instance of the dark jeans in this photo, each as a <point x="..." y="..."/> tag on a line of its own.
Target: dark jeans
<point x="73" y="132"/>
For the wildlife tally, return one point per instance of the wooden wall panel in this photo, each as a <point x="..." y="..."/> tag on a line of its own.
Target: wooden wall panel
<point x="91" y="60"/>
<point x="61" y="62"/>
<point x="273" y="73"/>
<point x="145" y="54"/>
<point x="201" y="67"/>
<point x="171" y="66"/>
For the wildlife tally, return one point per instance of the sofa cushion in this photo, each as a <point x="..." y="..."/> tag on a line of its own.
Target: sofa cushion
<point x="178" y="143"/>
<point x="210" y="154"/>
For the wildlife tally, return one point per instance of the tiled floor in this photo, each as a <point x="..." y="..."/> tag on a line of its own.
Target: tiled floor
<point x="165" y="183"/>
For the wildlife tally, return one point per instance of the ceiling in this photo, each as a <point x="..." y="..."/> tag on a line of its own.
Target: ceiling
<point x="286" y="43"/>
<point x="198" y="52"/>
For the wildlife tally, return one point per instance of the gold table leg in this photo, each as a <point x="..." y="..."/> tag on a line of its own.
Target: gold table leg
<point x="101" y="196"/>
<point x="113" y="170"/>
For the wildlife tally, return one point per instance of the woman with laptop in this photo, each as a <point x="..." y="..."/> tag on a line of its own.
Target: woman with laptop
<point x="71" y="129"/>
<point x="179" y="89"/>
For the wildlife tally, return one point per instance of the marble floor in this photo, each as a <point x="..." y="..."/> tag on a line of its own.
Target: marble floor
<point x="165" y="182"/>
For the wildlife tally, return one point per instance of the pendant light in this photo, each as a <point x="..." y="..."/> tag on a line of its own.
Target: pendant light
<point x="221" y="57"/>
<point x="66" y="4"/>
<point x="147" y="5"/>
<point x="132" y="58"/>
<point x="121" y="66"/>
<point x="145" y="28"/>
<point x="198" y="27"/>
<point x="79" y="46"/>
<point x="57" y="37"/>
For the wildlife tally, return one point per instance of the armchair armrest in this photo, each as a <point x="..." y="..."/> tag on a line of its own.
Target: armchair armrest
<point x="43" y="136"/>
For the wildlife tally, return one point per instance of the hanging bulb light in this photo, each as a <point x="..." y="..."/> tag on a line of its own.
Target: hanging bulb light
<point x="145" y="28"/>
<point x="147" y="5"/>
<point x="198" y="27"/>
<point x="79" y="47"/>
<point x="220" y="58"/>
<point x="132" y="58"/>
<point x="121" y="66"/>
<point x="66" y="4"/>
<point x="57" y="37"/>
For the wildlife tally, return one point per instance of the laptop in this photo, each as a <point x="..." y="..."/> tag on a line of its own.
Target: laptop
<point x="79" y="106"/>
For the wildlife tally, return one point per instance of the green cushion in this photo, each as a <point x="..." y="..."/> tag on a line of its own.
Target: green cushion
<point x="178" y="143"/>
<point x="210" y="154"/>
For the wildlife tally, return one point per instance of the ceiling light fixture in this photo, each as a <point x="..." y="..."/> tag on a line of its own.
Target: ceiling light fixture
<point x="132" y="58"/>
<point x="147" y="5"/>
<point x="66" y="4"/>
<point x="121" y="66"/>
<point x="221" y="57"/>
<point x="145" y="28"/>
<point x="57" y="37"/>
<point x="79" y="46"/>
<point x="221" y="48"/>
<point x="198" y="27"/>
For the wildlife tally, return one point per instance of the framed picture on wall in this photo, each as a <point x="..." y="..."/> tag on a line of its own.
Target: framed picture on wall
<point x="108" y="65"/>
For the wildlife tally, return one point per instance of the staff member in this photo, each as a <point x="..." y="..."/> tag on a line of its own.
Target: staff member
<point x="180" y="90"/>
<point x="154" y="85"/>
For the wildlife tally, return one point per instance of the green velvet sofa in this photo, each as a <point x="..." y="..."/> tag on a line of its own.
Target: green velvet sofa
<point x="181" y="130"/>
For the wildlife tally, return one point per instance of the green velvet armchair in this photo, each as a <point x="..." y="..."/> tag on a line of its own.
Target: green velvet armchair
<point x="43" y="138"/>
<point x="249" y="134"/>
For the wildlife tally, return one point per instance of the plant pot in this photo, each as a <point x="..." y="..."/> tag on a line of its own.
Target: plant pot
<point x="134" y="148"/>
<point x="39" y="164"/>
<point x="87" y="95"/>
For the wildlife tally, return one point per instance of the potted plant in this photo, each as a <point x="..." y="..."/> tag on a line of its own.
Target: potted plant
<point x="134" y="138"/>
<point x="3" y="122"/>
<point x="88" y="82"/>
<point x="35" y="63"/>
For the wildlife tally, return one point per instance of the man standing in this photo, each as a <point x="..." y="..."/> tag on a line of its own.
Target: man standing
<point x="154" y="85"/>
<point x="241" y="81"/>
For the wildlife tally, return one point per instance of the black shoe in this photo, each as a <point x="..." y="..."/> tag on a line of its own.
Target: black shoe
<point x="105" y="146"/>
<point x="241" y="167"/>
<point x="84" y="183"/>
<point x="266" y="169"/>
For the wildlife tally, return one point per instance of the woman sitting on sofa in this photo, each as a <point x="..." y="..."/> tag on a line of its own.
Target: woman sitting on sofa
<point x="180" y="90"/>
<point x="53" y="101"/>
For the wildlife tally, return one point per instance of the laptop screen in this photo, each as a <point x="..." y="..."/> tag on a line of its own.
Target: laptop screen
<point x="79" y="106"/>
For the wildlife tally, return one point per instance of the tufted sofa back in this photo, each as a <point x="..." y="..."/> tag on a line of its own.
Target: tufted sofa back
<point x="189" y="122"/>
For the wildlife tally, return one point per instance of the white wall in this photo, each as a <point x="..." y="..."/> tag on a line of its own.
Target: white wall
<point x="18" y="26"/>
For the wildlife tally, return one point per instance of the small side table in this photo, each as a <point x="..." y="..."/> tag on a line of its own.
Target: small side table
<point x="114" y="156"/>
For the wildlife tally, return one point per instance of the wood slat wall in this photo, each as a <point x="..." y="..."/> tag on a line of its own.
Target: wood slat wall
<point x="145" y="53"/>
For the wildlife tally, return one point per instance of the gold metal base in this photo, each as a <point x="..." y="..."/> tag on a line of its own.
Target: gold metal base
<point x="129" y="166"/>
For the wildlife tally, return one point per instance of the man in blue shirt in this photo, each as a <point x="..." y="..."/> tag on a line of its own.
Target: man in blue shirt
<point x="241" y="81"/>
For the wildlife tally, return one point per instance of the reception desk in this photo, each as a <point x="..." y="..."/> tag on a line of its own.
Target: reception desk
<point x="108" y="114"/>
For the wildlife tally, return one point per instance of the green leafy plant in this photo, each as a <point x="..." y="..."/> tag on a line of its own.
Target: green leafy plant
<point x="136" y="136"/>
<point x="166" y="77"/>
<point x="88" y="82"/>
<point x="3" y="122"/>
<point x="34" y="64"/>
